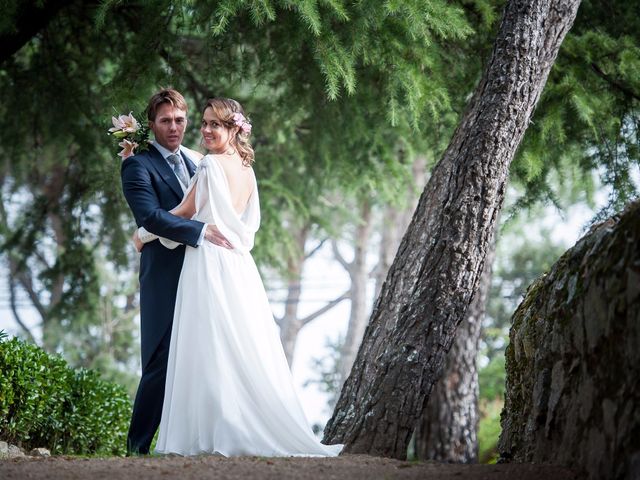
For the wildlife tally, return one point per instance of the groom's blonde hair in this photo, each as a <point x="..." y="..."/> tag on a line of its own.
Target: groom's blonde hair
<point x="166" y="95"/>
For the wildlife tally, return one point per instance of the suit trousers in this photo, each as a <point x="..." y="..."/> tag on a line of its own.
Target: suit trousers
<point x="147" y="407"/>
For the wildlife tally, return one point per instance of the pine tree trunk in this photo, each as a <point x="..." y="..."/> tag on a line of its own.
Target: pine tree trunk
<point x="441" y="257"/>
<point x="448" y="428"/>
<point x="359" y="276"/>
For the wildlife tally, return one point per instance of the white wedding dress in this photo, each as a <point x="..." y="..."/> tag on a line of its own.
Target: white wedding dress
<point x="229" y="390"/>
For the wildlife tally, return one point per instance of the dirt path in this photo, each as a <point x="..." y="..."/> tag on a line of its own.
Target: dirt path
<point x="349" y="467"/>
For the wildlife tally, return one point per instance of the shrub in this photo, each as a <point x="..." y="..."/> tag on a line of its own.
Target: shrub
<point x="43" y="402"/>
<point x="97" y="415"/>
<point x="491" y="401"/>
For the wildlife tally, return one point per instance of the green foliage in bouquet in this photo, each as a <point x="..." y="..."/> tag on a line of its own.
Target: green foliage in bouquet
<point x="44" y="403"/>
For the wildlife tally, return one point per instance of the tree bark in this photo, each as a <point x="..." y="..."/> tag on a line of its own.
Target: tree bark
<point x="441" y="257"/>
<point x="448" y="428"/>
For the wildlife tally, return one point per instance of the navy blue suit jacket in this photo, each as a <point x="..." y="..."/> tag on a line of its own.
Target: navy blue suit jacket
<point x="151" y="189"/>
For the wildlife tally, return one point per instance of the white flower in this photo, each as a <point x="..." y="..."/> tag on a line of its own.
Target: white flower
<point x="124" y="123"/>
<point x="117" y="124"/>
<point x="128" y="148"/>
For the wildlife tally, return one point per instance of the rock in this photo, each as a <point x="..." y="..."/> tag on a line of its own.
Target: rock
<point x="40" y="452"/>
<point x="634" y="461"/>
<point x="573" y="363"/>
<point x="4" y="449"/>
<point x="557" y="384"/>
<point x="15" y="452"/>
<point x="609" y="408"/>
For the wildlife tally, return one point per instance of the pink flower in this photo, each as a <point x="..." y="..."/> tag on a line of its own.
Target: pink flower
<point x="240" y="120"/>
<point x="124" y="123"/>
<point x="128" y="148"/>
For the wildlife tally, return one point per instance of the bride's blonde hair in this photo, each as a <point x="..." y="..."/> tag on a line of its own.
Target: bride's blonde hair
<point x="226" y="110"/>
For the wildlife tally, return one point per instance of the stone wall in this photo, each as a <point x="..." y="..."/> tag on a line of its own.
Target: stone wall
<point x="573" y="363"/>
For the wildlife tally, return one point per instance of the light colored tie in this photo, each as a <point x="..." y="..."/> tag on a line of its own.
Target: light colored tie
<point x="178" y="168"/>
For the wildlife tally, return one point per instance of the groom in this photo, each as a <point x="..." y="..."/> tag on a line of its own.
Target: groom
<point x="153" y="182"/>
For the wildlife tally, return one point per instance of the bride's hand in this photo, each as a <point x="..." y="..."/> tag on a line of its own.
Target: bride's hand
<point x="137" y="242"/>
<point x="213" y="235"/>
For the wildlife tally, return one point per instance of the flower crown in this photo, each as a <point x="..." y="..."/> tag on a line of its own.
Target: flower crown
<point x="241" y="121"/>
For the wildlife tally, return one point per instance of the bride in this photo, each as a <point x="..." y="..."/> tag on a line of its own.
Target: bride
<point x="229" y="390"/>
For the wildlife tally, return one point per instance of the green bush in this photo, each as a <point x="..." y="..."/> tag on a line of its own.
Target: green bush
<point x="44" y="403"/>
<point x="489" y="430"/>
<point x="491" y="379"/>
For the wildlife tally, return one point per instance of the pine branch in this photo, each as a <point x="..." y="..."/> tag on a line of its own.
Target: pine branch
<point x="324" y="309"/>
<point x="199" y="90"/>
<point x="43" y="260"/>
<point x="614" y="83"/>
<point x="28" y="22"/>
<point x="130" y="305"/>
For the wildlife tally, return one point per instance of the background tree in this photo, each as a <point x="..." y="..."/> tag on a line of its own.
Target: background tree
<point x="448" y="426"/>
<point x="291" y="322"/>
<point x="54" y="161"/>
<point x="59" y="183"/>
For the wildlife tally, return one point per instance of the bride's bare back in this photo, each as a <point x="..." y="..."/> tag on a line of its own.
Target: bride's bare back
<point x="240" y="179"/>
<point x="241" y="183"/>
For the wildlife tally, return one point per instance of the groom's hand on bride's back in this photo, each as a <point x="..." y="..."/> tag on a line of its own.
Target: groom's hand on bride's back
<point x="213" y="235"/>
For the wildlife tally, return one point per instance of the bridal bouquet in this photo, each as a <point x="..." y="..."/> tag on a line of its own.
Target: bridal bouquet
<point x="133" y="136"/>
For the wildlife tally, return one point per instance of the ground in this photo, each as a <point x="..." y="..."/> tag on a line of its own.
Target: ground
<point x="350" y="467"/>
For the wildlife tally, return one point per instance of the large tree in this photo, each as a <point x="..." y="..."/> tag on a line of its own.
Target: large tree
<point x="441" y="257"/>
<point x="569" y="135"/>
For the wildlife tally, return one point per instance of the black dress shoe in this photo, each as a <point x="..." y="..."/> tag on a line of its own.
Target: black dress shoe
<point x="133" y="451"/>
